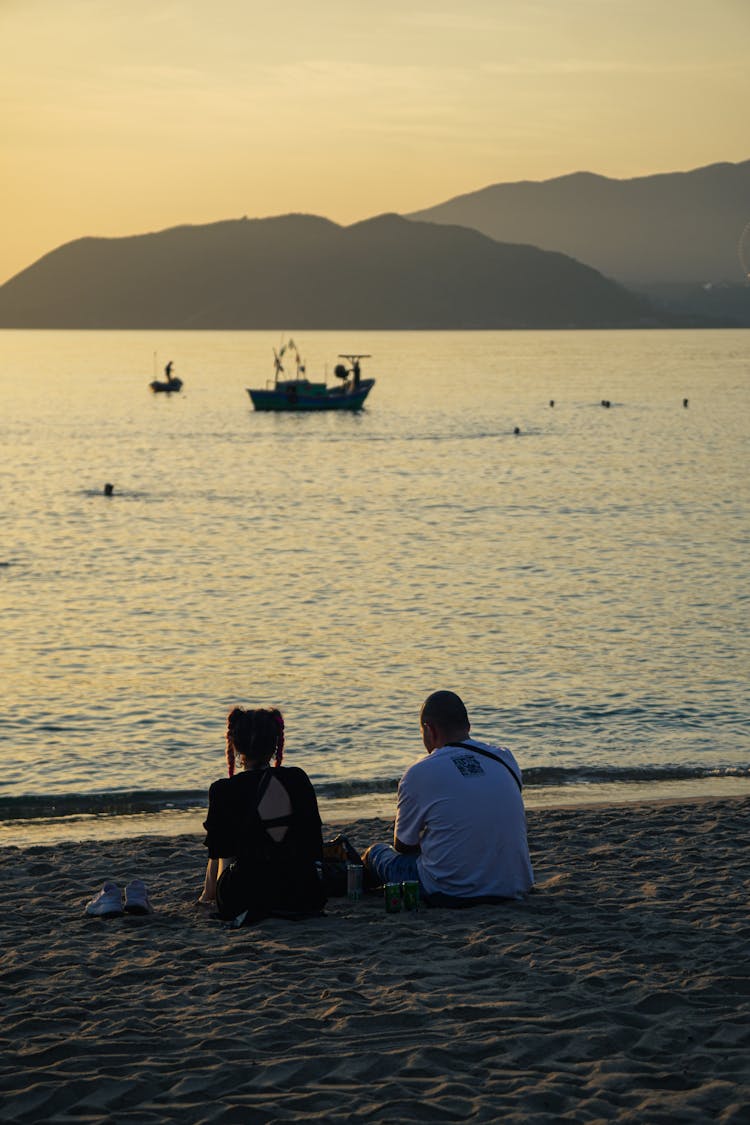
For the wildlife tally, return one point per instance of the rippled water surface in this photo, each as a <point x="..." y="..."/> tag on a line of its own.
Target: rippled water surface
<point x="582" y="584"/>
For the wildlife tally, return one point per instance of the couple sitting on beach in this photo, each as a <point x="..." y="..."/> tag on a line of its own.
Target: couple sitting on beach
<point x="460" y="826"/>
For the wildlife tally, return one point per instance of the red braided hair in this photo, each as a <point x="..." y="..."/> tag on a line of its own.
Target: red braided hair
<point x="280" y="742"/>
<point x="233" y="719"/>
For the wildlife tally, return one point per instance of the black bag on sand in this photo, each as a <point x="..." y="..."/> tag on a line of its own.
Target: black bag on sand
<point x="337" y="853"/>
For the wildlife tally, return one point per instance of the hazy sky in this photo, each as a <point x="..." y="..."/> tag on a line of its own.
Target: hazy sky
<point x="122" y="116"/>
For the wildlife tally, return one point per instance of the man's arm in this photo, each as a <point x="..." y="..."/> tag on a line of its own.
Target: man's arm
<point x="408" y="819"/>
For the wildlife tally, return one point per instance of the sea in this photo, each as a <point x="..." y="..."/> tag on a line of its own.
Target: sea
<point x="582" y="583"/>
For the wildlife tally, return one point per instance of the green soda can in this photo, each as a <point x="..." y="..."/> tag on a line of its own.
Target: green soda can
<point x="392" y="898"/>
<point x="410" y="895"/>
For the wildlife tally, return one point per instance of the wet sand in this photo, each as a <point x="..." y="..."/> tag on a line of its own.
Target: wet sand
<point x="619" y="991"/>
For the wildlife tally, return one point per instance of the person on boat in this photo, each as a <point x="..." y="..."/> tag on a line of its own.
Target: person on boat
<point x="263" y="830"/>
<point x="168" y="371"/>
<point x="356" y="372"/>
<point x="460" y="822"/>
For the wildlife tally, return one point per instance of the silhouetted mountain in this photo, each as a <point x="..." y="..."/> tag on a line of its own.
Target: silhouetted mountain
<point x="299" y="271"/>
<point x="678" y="227"/>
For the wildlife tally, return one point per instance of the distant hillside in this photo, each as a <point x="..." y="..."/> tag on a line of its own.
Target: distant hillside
<point x="683" y="227"/>
<point x="723" y="302"/>
<point x="305" y="272"/>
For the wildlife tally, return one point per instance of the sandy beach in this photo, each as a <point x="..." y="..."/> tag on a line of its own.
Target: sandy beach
<point x="619" y="991"/>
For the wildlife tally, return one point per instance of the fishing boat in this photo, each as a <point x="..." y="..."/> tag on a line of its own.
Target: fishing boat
<point x="297" y="392"/>
<point x="169" y="384"/>
<point x="166" y="385"/>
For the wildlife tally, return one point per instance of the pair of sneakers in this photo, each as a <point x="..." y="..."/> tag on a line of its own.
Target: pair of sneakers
<point x="109" y="901"/>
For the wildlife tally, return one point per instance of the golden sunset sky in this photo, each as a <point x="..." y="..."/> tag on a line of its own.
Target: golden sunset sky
<point x="123" y="116"/>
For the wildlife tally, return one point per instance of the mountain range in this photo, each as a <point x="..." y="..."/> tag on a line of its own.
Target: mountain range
<point x="577" y="251"/>
<point x="300" y="271"/>
<point x="676" y="228"/>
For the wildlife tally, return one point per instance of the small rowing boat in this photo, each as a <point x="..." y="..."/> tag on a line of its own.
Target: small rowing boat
<point x="169" y="384"/>
<point x="166" y="386"/>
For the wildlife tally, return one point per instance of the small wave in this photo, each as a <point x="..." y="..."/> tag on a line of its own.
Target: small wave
<point x="33" y="806"/>
<point x="354" y="787"/>
<point x="593" y="775"/>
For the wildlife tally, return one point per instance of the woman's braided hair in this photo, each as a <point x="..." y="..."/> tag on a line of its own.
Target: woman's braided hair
<point x="255" y="736"/>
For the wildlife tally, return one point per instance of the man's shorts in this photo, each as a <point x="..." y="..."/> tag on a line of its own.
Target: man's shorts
<point x="389" y="866"/>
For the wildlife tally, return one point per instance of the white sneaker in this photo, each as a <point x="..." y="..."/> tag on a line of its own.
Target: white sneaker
<point x="136" y="898"/>
<point x="107" y="902"/>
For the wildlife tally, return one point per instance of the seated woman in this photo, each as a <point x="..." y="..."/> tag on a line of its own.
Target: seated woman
<point x="263" y="830"/>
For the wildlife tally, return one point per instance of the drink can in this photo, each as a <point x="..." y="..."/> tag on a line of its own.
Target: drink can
<point x="354" y="881"/>
<point x="410" y="895"/>
<point x="392" y="898"/>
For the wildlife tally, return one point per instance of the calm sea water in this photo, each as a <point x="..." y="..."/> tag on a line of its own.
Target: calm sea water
<point x="583" y="584"/>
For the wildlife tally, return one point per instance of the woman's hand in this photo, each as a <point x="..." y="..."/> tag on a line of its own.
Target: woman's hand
<point x="207" y="896"/>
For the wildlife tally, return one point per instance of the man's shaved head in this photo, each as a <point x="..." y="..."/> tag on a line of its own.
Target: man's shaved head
<point x="445" y="711"/>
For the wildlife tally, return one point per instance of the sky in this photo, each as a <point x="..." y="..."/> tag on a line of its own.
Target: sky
<point x="124" y="116"/>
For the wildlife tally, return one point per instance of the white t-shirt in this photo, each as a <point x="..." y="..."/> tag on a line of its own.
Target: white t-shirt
<point x="466" y="813"/>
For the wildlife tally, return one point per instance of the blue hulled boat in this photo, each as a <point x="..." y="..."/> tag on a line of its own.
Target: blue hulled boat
<point x="299" y="393"/>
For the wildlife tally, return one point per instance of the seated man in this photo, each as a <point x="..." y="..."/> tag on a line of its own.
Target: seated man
<point x="460" y="821"/>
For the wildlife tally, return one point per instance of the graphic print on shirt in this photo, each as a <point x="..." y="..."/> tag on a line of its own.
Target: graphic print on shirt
<point x="467" y="765"/>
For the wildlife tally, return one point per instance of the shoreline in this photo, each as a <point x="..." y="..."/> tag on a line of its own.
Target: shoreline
<point x="52" y="831"/>
<point x="619" y="990"/>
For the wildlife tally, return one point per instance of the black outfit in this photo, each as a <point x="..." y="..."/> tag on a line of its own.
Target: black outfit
<point x="267" y="877"/>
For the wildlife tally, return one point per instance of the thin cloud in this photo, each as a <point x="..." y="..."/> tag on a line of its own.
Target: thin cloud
<point x="596" y="67"/>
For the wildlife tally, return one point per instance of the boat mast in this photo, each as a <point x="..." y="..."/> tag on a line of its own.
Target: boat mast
<point x="278" y="366"/>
